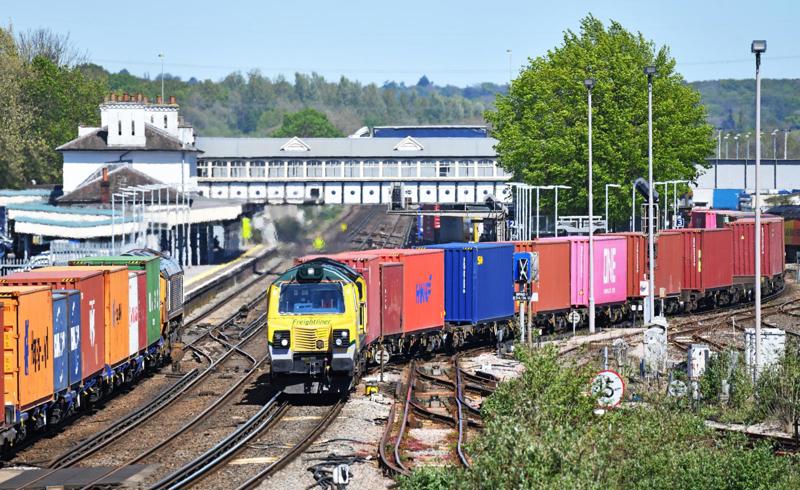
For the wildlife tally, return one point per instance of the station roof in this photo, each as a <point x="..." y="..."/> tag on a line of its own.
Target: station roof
<point x="344" y="148"/>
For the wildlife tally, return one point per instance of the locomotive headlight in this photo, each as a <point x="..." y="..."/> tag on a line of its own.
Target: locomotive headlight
<point x="341" y="338"/>
<point x="281" y="338"/>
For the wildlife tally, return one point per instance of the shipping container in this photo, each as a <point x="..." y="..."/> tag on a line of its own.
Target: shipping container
<point x="668" y="273"/>
<point x="479" y="281"/>
<point x="60" y="350"/>
<point x="115" y="322"/>
<point x="144" y="305"/>
<point x="3" y="398"/>
<point x="133" y="313"/>
<point x="73" y="297"/>
<point x="550" y="289"/>
<point x="772" y="248"/>
<point x="151" y="265"/>
<point x="707" y="258"/>
<point x="610" y="269"/>
<point x="27" y="345"/>
<point x="636" y="270"/>
<point x="90" y="284"/>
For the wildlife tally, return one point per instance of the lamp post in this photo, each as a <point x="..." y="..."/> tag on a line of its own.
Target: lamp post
<point x="775" y="158"/>
<point x="509" y="69"/>
<point x="589" y="84"/>
<point x="785" y="142"/>
<point x="650" y="71"/>
<point x="726" y="145"/>
<point x="607" y="186"/>
<point x="758" y="47"/>
<point x="633" y="207"/>
<point x="555" y="218"/>
<point x="747" y="149"/>
<point x="737" y="144"/>
<point x="161" y="56"/>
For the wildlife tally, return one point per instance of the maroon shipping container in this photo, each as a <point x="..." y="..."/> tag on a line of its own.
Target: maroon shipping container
<point x="90" y="284"/>
<point x="637" y="262"/>
<point x="707" y="258"/>
<point x="423" y="285"/>
<point x="669" y="264"/>
<point x="772" y="248"/>
<point x="550" y="286"/>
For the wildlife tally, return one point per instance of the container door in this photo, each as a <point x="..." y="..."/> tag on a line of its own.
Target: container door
<point x="74" y="325"/>
<point x="133" y="313"/>
<point x="391" y="300"/>
<point x="60" y="343"/>
<point x="145" y="315"/>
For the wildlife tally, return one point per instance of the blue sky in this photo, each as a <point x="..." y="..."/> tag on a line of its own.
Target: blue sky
<point x="462" y="42"/>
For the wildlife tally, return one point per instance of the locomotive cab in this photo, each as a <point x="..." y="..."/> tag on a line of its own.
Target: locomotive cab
<point x="316" y="318"/>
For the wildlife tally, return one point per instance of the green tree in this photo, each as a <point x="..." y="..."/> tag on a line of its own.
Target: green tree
<point x="63" y="99"/>
<point x="541" y="124"/>
<point x="307" y="123"/>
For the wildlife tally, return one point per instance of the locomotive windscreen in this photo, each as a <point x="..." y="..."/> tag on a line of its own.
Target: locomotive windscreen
<point x="311" y="298"/>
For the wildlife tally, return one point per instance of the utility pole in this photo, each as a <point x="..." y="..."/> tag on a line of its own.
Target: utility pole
<point x="650" y="71"/>
<point x="161" y="55"/>
<point x="589" y="83"/>
<point x="758" y="47"/>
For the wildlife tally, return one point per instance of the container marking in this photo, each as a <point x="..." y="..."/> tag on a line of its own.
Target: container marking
<point x="423" y="290"/>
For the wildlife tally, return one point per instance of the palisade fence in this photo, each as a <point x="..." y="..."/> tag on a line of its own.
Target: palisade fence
<point x="60" y="253"/>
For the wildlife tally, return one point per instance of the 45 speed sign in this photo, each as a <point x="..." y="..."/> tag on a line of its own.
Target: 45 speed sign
<point x="608" y="388"/>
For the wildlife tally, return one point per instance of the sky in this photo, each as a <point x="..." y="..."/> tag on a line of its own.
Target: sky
<point x="460" y="43"/>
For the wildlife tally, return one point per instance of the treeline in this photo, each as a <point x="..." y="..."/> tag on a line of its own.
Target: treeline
<point x="43" y="99"/>
<point x="255" y="105"/>
<point x="731" y="103"/>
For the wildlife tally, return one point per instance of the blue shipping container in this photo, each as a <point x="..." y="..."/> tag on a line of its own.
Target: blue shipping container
<point x="726" y="199"/>
<point x="478" y="281"/>
<point x="60" y="350"/>
<point x="74" y="333"/>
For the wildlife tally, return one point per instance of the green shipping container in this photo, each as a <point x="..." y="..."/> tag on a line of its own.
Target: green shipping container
<point x="152" y="267"/>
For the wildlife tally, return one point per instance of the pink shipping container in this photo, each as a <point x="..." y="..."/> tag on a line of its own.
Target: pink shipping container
<point x="707" y="258"/>
<point x="772" y="247"/>
<point x="610" y="269"/>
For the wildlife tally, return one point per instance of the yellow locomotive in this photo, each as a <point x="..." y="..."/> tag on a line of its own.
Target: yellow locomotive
<point x="316" y="317"/>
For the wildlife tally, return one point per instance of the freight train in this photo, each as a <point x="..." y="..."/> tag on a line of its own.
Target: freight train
<point x="74" y="334"/>
<point x="329" y="316"/>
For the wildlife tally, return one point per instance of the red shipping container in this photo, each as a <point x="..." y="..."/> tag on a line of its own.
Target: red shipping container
<point x="550" y="286"/>
<point x="423" y="285"/>
<point x="668" y="280"/>
<point x="707" y="258"/>
<point x="90" y="285"/>
<point x="637" y="262"/>
<point x="772" y="249"/>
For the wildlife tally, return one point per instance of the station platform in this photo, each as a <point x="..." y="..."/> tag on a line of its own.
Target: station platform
<point x="200" y="281"/>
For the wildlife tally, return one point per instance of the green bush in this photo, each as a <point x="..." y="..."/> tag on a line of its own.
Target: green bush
<point x="541" y="432"/>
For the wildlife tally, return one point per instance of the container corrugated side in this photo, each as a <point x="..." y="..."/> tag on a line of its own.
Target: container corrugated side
<point x="145" y="303"/>
<point x="772" y="250"/>
<point x="60" y="343"/>
<point x="133" y="313"/>
<point x="668" y="274"/>
<point x="707" y="258"/>
<point x="479" y="285"/>
<point x="73" y="333"/>
<point x="115" y="323"/>
<point x="27" y="345"/>
<point x="90" y="284"/>
<point x="637" y="262"/>
<point x="610" y="270"/>
<point x="152" y="267"/>
<point x="423" y="285"/>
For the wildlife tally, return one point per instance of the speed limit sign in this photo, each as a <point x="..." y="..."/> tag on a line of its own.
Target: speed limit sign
<point x="608" y="388"/>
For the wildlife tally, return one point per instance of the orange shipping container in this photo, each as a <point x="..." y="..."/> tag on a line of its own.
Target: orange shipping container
<point x="27" y="345"/>
<point x="550" y="288"/>
<point x="115" y="290"/>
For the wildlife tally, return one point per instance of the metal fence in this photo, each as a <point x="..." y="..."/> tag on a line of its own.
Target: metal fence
<point x="60" y="253"/>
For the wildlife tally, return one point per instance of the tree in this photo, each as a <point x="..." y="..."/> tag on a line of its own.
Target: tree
<point x="51" y="45"/>
<point x="307" y="123"/>
<point x="541" y="124"/>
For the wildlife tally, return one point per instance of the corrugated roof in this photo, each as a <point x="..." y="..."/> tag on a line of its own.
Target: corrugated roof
<point x="49" y="208"/>
<point x="218" y="147"/>
<point x="72" y="224"/>
<point x="25" y="192"/>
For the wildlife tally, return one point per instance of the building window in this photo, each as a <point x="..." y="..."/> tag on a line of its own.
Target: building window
<point x="427" y="168"/>
<point x="133" y="128"/>
<point x="276" y="169"/>
<point x="501" y="172"/>
<point x="466" y="168"/>
<point x="202" y="169"/>
<point x="119" y="128"/>
<point x="314" y="168"/>
<point x="165" y="121"/>
<point x="333" y="168"/>
<point x="352" y="169"/>
<point x="409" y="168"/>
<point x="371" y="168"/>
<point x="390" y="168"/>
<point x="219" y="168"/>
<point x="485" y="168"/>
<point x="237" y="169"/>
<point x="257" y="169"/>
<point x="295" y="169"/>
<point x="446" y="168"/>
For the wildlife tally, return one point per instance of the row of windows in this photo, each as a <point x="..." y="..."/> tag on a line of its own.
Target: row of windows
<point x="279" y="169"/>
